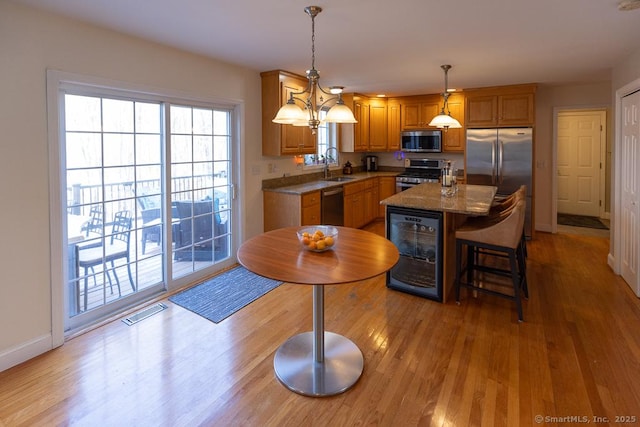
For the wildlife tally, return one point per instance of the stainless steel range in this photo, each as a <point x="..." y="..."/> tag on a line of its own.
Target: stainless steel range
<point x="419" y="171"/>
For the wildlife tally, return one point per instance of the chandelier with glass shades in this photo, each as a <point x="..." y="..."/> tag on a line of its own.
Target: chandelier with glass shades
<point x="444" y="119"/>
<point x="291" y="114"/>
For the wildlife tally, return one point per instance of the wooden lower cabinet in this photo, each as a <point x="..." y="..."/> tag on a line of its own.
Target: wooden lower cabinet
<point x="354" y="203"/>
<point x="288" y="210"/>
<point x="361" y="204"/>
<point x="371" y="200"/>
<point x="311" y="208"/>
<point x="361" y="201"/>
<point x="386" y="188"/>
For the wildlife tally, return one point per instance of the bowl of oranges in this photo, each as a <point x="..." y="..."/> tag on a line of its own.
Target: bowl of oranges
<point x="318" y="238"/>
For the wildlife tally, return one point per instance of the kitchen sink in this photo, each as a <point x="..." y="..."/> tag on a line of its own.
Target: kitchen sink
<point x="339" y="179"/>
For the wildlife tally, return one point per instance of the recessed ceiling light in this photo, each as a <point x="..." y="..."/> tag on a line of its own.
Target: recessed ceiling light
<point x="628" y="4"/>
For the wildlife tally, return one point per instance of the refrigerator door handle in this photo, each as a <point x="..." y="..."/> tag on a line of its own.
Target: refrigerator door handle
<point x="493" y="163"/>
<point x="500" y="156"/>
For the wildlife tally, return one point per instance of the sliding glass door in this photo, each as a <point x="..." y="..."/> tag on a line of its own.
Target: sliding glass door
<point x="147" y="191"/>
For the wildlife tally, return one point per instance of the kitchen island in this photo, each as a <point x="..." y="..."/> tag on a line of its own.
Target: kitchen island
<point x="425" y="201"/>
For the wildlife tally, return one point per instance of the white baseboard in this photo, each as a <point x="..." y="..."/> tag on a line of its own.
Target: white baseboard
<point x="25" y="351"/>
<point x="544" y="227"/>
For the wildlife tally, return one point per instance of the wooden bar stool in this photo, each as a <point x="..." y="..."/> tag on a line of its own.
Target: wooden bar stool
<point x="501" y="209"/>
<point x="501" y="206"/>
<point x="500" y="235"/>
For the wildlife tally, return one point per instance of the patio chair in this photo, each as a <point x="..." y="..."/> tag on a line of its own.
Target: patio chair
<point x="93" y="230"/>
<point x="94" y="224"/>
<point x="151" y="215"/>
<point x="115" y="247"/>
<point x="197" y="236"/>
<point x="150" y="212"/>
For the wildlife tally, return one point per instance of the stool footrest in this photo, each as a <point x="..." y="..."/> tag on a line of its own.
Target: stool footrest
<point x="487" y="291"/>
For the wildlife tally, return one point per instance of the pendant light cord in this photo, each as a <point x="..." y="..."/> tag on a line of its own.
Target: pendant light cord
<point x="313" y="42"/>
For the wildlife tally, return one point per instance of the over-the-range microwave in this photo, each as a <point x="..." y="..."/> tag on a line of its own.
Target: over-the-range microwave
<point x="421" y="141"/>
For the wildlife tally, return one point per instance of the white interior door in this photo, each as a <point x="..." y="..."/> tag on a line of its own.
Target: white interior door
<point x="580" y="142"/>
<point x="629" y="189"/>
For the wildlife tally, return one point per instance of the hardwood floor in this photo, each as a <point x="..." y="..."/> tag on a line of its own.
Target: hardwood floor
<point x="426" y="363"/>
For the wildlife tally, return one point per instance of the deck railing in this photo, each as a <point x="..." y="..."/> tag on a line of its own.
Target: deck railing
<point x="121" y="195"/>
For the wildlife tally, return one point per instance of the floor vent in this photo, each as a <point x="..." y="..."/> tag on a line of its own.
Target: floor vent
<point x="143" y="314"/>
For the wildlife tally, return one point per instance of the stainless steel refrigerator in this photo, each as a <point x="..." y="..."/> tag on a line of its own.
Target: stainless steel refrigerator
<point x="501" y="157"/>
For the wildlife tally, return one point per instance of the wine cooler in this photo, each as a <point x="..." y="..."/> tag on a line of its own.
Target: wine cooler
<point x="418" y="236"/>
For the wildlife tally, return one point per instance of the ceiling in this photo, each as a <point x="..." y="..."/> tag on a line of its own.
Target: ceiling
<point x="390" y="47"/>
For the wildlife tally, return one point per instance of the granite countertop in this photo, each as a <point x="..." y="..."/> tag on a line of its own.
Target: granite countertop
<point x="322" y="184"/>
<point x="469" y="200"/>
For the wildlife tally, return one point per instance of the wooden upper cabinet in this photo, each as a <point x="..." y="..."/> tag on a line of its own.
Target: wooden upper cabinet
<point x="393" y="124"/>
<point x="277" y="139"/>
<point x="516" y="109"/>
<point x="380" y="121"/>
<point x="454" y="139"/>
<point x="418" y="111"/>
<point x="501" y="106"/>
<point x="361" y="111"/>
<point x="377" y="124"/>
<point x="482" y="110"/>
<point x="370" y="132"/>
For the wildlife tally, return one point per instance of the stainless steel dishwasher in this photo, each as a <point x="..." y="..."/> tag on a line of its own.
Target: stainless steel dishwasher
<point x="333" y="206"/>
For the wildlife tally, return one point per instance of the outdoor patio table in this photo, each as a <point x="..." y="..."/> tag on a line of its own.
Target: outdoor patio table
<point x="318" y="363"/>
<point x="75" y="235"/>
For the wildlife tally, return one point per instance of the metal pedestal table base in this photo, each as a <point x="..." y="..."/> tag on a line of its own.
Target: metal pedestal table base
<point x="296" y="368"/>
<point x="318" y="363"/>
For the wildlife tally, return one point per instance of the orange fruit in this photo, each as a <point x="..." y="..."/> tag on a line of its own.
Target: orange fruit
<point x="328" y="241"/>
<point x="312" y="244"/>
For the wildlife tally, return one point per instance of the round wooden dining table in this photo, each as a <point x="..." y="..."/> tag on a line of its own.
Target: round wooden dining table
<point x="318" y="363"/>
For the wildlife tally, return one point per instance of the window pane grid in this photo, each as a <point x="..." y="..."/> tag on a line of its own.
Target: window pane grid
<point x="200" y="185"/>
<point x="103" y="219"/>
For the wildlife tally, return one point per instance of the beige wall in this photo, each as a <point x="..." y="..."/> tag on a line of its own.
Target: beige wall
<point x="549" y="98"/>
<point x="627" y="71"/>
<point x="30" y="43"/>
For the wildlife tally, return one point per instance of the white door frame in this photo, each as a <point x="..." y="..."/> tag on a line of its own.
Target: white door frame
<point x="615" y="248"/>
<point x="554" y="161"/>
<point x="59" y="264"/>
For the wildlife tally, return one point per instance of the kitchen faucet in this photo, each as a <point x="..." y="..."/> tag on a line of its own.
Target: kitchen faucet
<point x="326" y="161"/>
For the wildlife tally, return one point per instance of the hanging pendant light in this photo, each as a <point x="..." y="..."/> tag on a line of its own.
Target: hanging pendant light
<point x="444" y="119"/>
<point x="291" y="114"/>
